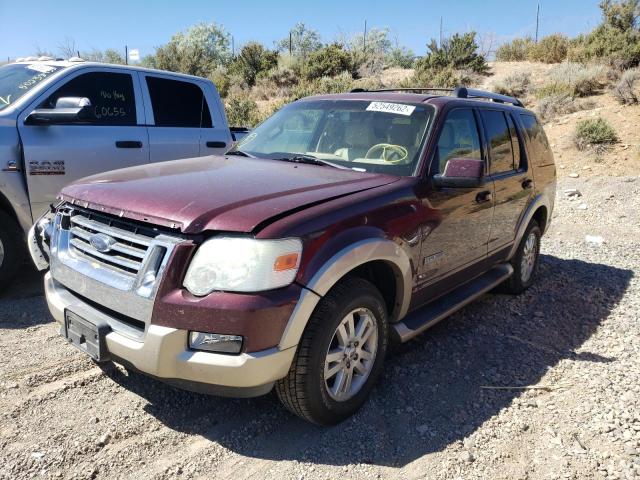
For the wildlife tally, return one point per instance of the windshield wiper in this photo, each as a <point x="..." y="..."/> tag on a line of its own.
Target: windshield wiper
<point x="310" y="160"/>
<point x="240" y="153"/>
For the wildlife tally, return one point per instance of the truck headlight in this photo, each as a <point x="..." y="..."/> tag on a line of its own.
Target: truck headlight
<point x="242" y="264"/>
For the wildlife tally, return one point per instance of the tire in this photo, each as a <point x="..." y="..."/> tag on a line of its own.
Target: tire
<point x="524" y="271"/>
<point x="305" y="391"/>
<point x="11" y="249"/>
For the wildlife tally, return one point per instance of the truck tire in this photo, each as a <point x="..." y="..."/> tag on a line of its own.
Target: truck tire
<point x="11" y="249"/>
<point x="340" y="355"/>
<point x="525" y="261"/>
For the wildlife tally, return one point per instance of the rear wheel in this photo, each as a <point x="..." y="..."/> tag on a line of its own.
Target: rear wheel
<point x="11" y="248"/>
<point x="525" y="261"/>
<point x="340" y="355"/>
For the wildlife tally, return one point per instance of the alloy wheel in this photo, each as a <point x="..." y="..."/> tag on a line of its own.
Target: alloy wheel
<point x="529" y="254"/>
<point x="351" y="354"/>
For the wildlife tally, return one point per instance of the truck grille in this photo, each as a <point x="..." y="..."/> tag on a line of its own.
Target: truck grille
<point x="129" y="243"/>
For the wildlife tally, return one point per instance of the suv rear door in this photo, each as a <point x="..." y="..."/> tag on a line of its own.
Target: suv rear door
<point x="508" y="168"/>
<point x="56" y="155"/>
<point x="179" y="119"/>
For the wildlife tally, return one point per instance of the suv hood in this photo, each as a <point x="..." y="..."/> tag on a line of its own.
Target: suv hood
<point x="235" y="194"/>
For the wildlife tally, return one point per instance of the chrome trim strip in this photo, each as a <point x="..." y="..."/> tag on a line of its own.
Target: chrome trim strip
<point x="112" y="231"/>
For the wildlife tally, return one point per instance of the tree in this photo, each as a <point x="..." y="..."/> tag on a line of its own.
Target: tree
<point x="68" y="48"/>
<point x="253" y="60"/>
<point x="196" y="51"/>
<point x="329" y="61"/>
<point x="303" y="41"/>
<point x="459" y="52"/>
<point x="113" y="56"/>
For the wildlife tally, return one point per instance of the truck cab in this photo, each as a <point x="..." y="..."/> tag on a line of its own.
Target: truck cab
<point x="63" y="120"/>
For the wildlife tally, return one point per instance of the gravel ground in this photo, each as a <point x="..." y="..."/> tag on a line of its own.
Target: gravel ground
<point x="543" y="385"/>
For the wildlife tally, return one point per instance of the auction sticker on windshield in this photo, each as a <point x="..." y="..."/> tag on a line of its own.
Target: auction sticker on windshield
<point x="387" y="107"/>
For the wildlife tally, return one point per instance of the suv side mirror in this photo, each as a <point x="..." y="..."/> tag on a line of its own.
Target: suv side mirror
<point x="67" y="110"/>
<point x="461" y="173"/>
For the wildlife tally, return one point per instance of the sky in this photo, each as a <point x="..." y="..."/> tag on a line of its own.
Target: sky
<point x="26" y="26"/>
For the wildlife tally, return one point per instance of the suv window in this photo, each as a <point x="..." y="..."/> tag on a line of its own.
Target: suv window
<point x="458" y="138"/>
<point x="540" y="153"/>
<point x="111" y="95"/>
<point x="178" y="104"/>
<point x="499" y="138"/>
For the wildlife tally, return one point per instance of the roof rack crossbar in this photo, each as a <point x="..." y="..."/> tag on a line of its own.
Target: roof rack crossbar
<point x="459" y="92"/>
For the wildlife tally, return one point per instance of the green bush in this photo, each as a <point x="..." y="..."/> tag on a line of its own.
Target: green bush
<point x="594" y="133"/>
<point x="625" y="90"/>
<point x="550" y="49"/>
<point x="515" y="84"/>
<point x="580" y="80"/>
<point x="459" y="52"/>
<point x="221" y="80"/>
<point x="339" y="84"/>
<point x="517" y="50"/>
<point x="252" y="61"/>
<point x="400" y="57"/>
<point x="241" y="111"/>
<point x="329" y="61"/>
<point x="551" y="89"/>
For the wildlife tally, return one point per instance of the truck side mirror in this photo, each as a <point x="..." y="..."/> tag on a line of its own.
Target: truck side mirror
<point x="68" y="110"/>
<point x="461" y="173"/>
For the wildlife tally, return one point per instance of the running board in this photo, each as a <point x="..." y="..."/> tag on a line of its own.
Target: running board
<point x="425" y="317"/>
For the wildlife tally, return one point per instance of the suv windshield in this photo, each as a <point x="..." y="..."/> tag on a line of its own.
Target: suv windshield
<point x="368" y="136"/>
<point x="18" y="78"/>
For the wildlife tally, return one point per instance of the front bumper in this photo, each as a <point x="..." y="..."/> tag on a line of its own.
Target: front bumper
<point x="163" y="353"/>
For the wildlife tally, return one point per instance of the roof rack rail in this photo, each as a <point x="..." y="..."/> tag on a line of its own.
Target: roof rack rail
<point x="459" y="92"/>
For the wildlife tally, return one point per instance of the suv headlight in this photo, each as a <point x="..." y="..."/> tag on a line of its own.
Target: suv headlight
<point x="242" y="264"/>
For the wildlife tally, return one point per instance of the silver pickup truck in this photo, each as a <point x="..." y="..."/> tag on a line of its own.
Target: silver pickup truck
<point x="63" y="120"/>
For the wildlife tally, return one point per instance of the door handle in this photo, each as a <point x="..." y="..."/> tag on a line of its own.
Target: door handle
<point x="527" y="183"/>
<point x="483" y="197"/>
<point x="216" y="145"/>
<point x="128" y="144"/>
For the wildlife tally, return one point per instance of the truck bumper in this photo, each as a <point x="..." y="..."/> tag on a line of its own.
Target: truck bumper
<point x="163" y="353"/>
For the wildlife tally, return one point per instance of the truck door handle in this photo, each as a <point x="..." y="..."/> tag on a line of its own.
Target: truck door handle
<point x="216" y="145"/>
<point x="483" y="197"/>
<point x="128" y="144"/>
<point x="527" y="183"/>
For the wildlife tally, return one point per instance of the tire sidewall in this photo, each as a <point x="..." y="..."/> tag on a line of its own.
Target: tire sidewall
<point x="535" y="229"/>
<point x="319" y="397"/>
<point x="10" y="237"/>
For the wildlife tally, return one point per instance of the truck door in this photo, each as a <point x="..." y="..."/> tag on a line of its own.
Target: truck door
<point x="179" y="121"/>
<point x="56" y="155"/>
<point x="459" y="238"/>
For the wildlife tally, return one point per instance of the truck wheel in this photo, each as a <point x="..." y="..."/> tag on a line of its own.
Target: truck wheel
<point x="525" y="261"/>
<point x="11" y="249"/>
<point x="340" y="355"/>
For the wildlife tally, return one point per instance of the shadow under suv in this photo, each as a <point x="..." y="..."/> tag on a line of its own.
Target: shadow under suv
<point x="341" y="223"/>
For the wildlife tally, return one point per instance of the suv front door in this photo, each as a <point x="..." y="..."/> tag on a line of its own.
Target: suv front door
<point x="460" y="236"/>
<point x="508" y="169"/>
<point x="56" y="155"/>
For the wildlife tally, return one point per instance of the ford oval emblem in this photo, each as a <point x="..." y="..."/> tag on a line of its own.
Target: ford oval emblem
<point x="102" y="242"/>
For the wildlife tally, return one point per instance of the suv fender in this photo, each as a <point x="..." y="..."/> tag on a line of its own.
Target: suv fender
<point x="539" y="201"/>
<point x="340" y="265"/>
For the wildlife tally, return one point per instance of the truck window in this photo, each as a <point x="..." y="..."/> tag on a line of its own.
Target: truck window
<point x="458" y="138"/>
<point x="178" y="104"/>
<point x="19" y="78"/>
<point x="111" y="95"/>
<point x="539" y="150"/>
<point x="499" y="138"/>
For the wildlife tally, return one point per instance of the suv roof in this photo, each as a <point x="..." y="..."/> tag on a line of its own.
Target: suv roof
<point x="422" y="95"/>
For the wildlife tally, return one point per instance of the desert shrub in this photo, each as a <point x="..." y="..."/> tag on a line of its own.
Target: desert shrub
<point x="283" y="77"/>
<point x="517" y="50"/>
<point x="338" y="84"/>
<point x="252" y="61"/>
<point x="550" y="49"/>
<point x="400" y="57"/>
<point x="616" y="40"/>
<point x="369" y="83"/>
<point x="594" y="132"/>
<point x="582" y="80"/>
<point x="329" y="61"/>
<point x="221" y="80"/>
<point x="554" y="105"/>
<point x="515" y="84"/>
<point x="551" y="89"/>
<point x="459" y="52"/>
<point x="241" y="111"/>
<point x="625" y="90"/>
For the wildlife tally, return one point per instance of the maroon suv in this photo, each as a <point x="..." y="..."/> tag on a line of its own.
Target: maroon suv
<point x="341" y="223"/>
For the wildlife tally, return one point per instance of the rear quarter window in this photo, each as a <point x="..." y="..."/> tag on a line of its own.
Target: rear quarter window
<point x="539" y="149"/>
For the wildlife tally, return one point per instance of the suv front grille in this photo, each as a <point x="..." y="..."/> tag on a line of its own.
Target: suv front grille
<point x="127" y="252"/>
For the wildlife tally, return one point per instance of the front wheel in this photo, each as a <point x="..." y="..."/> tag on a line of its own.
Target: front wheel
<point x="11" y="249"/>
<point x="340" y="355"/>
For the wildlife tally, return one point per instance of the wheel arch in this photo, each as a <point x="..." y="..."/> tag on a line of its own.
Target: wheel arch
<point x="538" y="210"/>
<point x="377" y="260"/>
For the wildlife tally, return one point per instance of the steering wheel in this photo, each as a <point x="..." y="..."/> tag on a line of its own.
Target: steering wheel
<point x="388" y="152"/>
